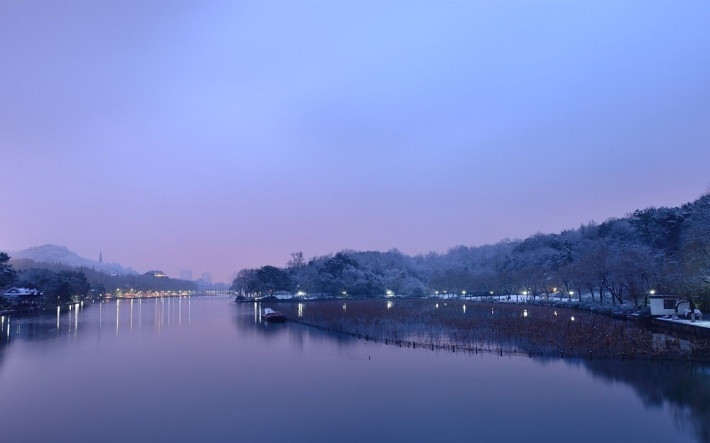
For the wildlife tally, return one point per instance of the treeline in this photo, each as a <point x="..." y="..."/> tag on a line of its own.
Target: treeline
<point x="666" y="250"/>
<point x="53" y="287"/>
<point x="61" y="284"/>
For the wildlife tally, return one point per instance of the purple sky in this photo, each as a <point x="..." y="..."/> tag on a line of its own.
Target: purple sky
<point x="222" y="135"/>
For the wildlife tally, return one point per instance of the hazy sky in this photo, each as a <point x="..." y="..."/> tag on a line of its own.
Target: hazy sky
<point x="218" y="135"/>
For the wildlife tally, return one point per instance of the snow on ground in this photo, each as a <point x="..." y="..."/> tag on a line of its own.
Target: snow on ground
<point x="705" y="323"/>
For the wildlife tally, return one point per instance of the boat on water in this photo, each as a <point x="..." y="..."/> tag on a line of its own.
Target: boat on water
<point x="273" y="316"/>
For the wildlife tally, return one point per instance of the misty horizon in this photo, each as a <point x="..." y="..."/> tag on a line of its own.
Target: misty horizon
<point x="206" y="275"/>
<point x="216" y="136"/>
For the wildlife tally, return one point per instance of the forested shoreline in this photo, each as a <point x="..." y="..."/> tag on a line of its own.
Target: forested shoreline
<point x="619" y="261"/>
<point x="622" y="260"/>
<point x="59" y="284"/>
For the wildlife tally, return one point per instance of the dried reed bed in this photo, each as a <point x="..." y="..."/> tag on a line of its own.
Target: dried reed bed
<point x="494" y="327"/>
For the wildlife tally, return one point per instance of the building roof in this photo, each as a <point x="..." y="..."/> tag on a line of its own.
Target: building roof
<point x="21" y="292"/>
<point x="664" y="296"/>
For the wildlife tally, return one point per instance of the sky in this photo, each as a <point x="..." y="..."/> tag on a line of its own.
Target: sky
<point x="220" y="135"/>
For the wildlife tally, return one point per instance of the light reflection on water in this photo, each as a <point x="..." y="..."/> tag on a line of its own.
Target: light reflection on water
<point x="155" y="373"/>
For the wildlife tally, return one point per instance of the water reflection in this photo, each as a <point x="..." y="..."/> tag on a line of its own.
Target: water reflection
<point x="218" y="369"/>
<point x="681" y="388"/>
<point x="128" y="315"/>
<point x="253" y="325"/>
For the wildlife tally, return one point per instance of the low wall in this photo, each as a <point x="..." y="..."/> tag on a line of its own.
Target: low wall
<point x="684" y="327"/>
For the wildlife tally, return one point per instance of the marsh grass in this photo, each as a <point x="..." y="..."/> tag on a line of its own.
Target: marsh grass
<point x="500" y="328"/>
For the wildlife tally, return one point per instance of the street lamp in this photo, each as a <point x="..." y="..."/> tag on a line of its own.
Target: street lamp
<point x="652" y="291"/>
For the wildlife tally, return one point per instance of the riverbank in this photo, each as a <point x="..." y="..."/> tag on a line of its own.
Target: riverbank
<point x="698" y="328"/>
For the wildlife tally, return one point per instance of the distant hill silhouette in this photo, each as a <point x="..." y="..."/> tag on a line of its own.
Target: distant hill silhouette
<point x="61" y="255"/>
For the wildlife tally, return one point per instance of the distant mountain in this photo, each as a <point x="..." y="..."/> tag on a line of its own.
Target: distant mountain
<point x="62" y="255"/>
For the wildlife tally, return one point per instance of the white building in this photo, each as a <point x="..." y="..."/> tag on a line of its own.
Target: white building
<point x="25" y="296"/>
<point x="667" y="304"/>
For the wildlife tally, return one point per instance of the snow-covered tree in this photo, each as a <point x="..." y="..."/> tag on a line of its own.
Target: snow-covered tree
<point x="7" y="274"/>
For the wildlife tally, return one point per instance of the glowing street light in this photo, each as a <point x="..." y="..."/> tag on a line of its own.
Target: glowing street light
<point x="651" y="292"/>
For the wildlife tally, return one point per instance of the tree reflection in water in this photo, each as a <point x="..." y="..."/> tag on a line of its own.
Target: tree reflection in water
<point x="253" y="324"/>
<point x="610" y="349"/>
<point x="682" y="387"/>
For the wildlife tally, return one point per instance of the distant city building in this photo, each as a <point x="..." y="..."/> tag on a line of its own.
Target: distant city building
<point x="156" y="274"/>
<point x="101" y="257"/>
<point x="206" y="278"/>
<point x="186" y="274"/>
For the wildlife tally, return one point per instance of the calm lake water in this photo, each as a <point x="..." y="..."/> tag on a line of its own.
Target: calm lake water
<point x="205" y="369"/>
